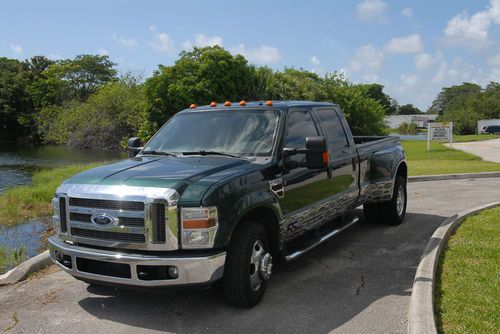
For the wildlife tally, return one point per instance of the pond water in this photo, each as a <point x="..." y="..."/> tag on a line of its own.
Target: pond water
<point x="18" y="162"/>
<point x="26" y="235"/>
<point x="422" y="136"/>
<point x="17" y="165"/>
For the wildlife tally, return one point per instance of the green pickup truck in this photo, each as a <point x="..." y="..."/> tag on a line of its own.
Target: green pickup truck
<point x="221" y="192"/>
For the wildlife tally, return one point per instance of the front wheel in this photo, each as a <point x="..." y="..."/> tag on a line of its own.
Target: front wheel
<point x="393" y="211"/>
<point x="248" y="265"/>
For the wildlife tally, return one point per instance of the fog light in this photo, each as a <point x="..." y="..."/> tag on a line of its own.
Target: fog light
<point x="173" y="272"/>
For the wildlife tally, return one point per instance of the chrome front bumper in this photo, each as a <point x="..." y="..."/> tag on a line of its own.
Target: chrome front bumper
<point x="191" y="270"/>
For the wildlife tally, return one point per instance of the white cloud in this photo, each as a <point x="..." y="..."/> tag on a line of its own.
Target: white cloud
<point x="473" y="30"/>
<point x="494" y="10"/>
<point x="371" y="10"/>
<point x="408" y="44"/>
<point x="126" y="42"/>
<point x="409" y="79"/>
<point x="16" y="48"/>
<point x="103" y="52"/>
<point x="314" y="60"/>
<point x="367" y="62"/>
<point x="201" y="40"/>
<point x="261" y="55"/>
<point x="424" y="61"/>
<point x="494" y="60"/>
<point x="162" y="41"/>
<point x="407" y="12"/>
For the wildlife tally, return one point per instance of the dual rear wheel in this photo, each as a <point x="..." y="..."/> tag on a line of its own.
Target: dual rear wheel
<point x="391" y="212"/>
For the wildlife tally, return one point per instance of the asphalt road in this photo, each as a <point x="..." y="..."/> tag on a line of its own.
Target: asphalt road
<point x="488" y="150"/>
<point x="358" y="282"/>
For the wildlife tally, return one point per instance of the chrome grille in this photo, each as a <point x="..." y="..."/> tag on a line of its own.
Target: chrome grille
<point x="106" y="204"/>
<point x="141" y="218"/>
<point x="158" y="217"/>
<point x="122" y="221"/>
<point x="105" y="235"/>
<point x="128" y="229"/>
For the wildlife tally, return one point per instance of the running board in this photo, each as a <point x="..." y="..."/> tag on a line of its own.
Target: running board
<point x="324" y="238"/>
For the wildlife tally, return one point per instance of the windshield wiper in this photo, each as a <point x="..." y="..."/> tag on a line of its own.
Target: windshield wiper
<point x="153" y="152"/>
<point x="210" y="153"/>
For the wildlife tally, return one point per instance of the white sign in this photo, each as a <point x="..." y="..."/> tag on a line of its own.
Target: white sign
<point x="439" y="131"/>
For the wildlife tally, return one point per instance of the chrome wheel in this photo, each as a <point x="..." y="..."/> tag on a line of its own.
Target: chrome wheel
<point x="400" y="200"/>
<point x="261" y="264"/>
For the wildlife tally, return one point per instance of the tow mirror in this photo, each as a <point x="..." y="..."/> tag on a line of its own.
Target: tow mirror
<point x="316" y="152"/>
<point x="134" y="146"/>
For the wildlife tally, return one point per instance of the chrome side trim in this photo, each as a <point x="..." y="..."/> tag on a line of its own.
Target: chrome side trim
<point x="380" y="191"/>
<point x="192" y="270"/>
<point x="315" y="215"/>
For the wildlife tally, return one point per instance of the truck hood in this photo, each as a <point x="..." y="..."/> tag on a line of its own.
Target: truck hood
<point x="179" y="173"/>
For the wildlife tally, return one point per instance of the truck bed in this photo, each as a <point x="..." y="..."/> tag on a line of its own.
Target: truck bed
<point x="366" y="144"/>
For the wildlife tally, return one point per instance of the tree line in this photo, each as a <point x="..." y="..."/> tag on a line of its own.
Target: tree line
<point x="84" y="102"/>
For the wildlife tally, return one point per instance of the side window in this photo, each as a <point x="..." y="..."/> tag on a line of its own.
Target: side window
<point x="299" y="125"/>
<point x="331" y="125"/>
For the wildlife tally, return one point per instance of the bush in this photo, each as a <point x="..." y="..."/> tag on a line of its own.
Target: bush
<point x="104" y="121"/>
<point x="407" y="128"/>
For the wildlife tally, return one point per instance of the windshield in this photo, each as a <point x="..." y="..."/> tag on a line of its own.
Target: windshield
<point x="235" y="132"/>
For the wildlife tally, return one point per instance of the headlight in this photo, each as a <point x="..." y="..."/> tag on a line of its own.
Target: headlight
<point x="199" y="226"/>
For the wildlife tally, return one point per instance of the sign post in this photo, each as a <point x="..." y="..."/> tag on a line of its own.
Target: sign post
<point x="439" y="131"/>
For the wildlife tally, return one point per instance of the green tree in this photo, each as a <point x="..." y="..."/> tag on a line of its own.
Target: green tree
<point x="409" y="109"/>
<point x="105" y="120"/>
<point x="74" y="79"/>
<point x="376" y="92"/>
<point x="16" y="106"/>
<point x="199" y="76"/>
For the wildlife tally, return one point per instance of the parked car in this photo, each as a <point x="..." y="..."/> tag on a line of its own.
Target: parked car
<point x="493" y="129"/>
<point x="223" y="192"/>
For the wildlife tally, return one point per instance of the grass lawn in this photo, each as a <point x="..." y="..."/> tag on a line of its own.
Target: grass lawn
<point x="443" y="160"/>
<point x="465" y="138"/>
<point x="24" y="202"/>
<point x="468" y="288"/>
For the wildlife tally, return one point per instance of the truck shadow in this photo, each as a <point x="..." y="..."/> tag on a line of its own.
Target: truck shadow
<point x="360" y="280"/>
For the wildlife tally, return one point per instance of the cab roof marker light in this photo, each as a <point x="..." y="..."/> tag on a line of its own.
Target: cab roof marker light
<point x="192" y="106"/>
<point x="243" y="103"/>
<point x="227" y="104"/>
<point x="213" y="104"/>
<point x="269" y="103"/>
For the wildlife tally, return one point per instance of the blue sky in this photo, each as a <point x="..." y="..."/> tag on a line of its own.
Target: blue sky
<point x="414" y="48"/>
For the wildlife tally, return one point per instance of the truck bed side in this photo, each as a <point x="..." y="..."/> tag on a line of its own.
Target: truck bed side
<point x="379" y="160"/>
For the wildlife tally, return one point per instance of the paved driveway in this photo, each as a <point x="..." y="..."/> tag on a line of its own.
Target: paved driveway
<point x="488" y="150"/>
<point x="358" y="282"/>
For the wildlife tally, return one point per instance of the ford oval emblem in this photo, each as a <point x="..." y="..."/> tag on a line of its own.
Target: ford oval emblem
<point x="102" y="219"/>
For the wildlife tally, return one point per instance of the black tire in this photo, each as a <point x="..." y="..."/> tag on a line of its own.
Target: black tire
<point x="388" y="212"/>
<point x="237" y="287"/>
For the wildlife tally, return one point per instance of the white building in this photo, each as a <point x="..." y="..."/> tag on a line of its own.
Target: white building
<point x="395" y="121"/>
<point x="485" y="122"/>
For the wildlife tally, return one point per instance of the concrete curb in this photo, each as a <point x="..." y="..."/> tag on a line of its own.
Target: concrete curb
<point x="439" y="177"/>
<point x="421" y="314"/>
<point x="29" y="266"/>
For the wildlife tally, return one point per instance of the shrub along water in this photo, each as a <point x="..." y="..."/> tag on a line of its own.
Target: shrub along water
<point x="21" y="203"/>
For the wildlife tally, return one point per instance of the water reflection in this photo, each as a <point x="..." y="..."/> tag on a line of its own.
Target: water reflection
<point x="26" y="235"/>
<point x="19" y="161"/>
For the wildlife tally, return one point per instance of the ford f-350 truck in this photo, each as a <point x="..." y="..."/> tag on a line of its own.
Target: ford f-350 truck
<point x="221" y="192"/>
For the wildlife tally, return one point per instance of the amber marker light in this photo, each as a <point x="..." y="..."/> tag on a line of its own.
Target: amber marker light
<point x="202" y="223"/>
<point x="269" y="103"/>
<point x="192" y="106"/>
<point x="227" y="104"/>
<point x="213" y="104"/>
<point x="326" y="158"/>
<point x="243" y="103"/>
